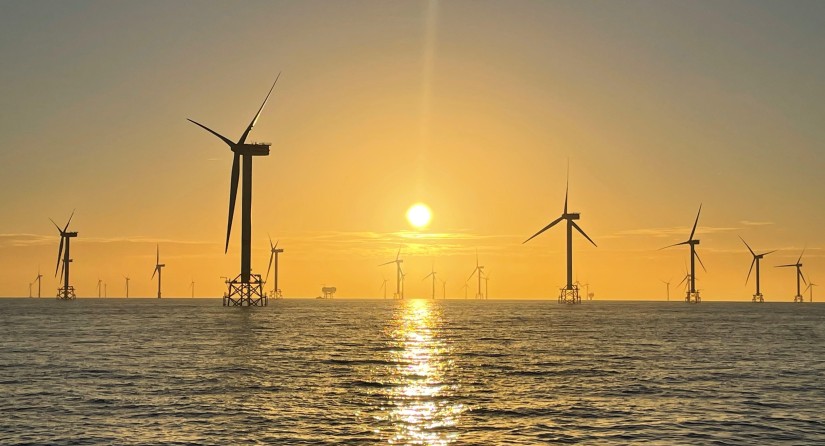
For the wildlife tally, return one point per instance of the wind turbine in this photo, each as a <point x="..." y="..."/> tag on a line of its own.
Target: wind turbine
<point x="99" y="287"/>
<point x="384" y="286"/>
<point x="127" y="286"/>
<point x="433" y="274"/>
<point x="487" y="285"/>
<point x="798" y="265"/>
<point x="668" y="287"/>
<point x="105" y="290"/>
<point x="243" y="290"/>
<point x="399" y="294"/>
<point x="192" y="285"/>
<point x="158" y="269"/>
<point x="37" y="279"/>
<point x="30" y="289"/>
<point x="811" y="286"/>
<point x="693" y="294"/>
<point x="466" y="287"/>
<point x="67" y="292"/>
<point x="274" y="250"/>
<point x="757" y="297"/>
<point x="478" y="271"/>
<point x="570" y="293"/>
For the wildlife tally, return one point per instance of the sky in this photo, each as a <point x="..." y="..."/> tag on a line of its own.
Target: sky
<point x="472" y="107"/>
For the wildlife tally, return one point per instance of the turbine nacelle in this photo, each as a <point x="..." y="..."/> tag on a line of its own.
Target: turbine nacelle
<point x="254" y="149"/>
<point x="571" y="216"/>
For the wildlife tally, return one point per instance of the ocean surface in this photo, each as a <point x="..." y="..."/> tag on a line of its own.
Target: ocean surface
<point x="189" y="371"/>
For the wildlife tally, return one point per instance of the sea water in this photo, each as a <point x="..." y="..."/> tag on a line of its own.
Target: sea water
<point x="189" y="371"/>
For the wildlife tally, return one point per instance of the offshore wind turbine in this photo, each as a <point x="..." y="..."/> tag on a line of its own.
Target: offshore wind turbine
<point x="37" y="279"/>
<point x="757" y="297"/>
<point x="811" y="286"/>
<point x="158" y="269"/>
<point x="693" y="294"/>
<point x="433" y="275"/>
<point x="274" y="250"/>
<point x="99" y="287"/>
<point x="246" y="289"/>
<point x="667" y="284"/>
<point x="798" y="265"/>
<point x="67" y="291"/>
<point x="570" y="293"/>
<point x="478" y="271"/>
<point x="30" y="289"/>
<point x="127" y="286"/>
<point x="399" y="293"/>
<point x="192" y="285"/>
<point x="487" y="285"/>
<point x="384" y="286"/>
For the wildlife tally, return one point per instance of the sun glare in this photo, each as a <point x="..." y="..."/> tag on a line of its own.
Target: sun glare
<point x="419" y="215"/>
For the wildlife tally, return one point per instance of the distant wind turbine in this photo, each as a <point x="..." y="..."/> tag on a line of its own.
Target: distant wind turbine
<point x="487" y="285"/>
<point x="384" y="286"/>
<point x="433" y="275"/>
<point x="192" y="285"/>
<point x="399" y="294"/>
<point x="37" y="279"/>
<point x="242" y="290"/>
<point x="67" y="292"/>
<point x="757" y="297"/>
<point x="570" y="293"/>
<point x="693" y="294"/>
<point x="158" y="269"/>
<point x="30" y="289"/>
<point x="667" y="283"/>
<point x="274" y="250"/>
<point x="99" y="287"/>
<point x="478" y="271"/>
<point x="798" y="266"/>
<point x="811" y="286"/>
<point x="127" y="286"/>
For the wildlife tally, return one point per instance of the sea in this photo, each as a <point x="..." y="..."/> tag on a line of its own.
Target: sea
<point x="411" y="372"/>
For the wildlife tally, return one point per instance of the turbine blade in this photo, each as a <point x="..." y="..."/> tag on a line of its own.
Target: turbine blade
<point x="426" y="277"/>
<point x="270" y="242"/>
<point x="271" y="256"/>
<point x="223" y="138"/>
<point x="553" y="223"/>
<point x="472" y="274"/>
<point x="567" y="185"/>
<point x="391" y="261"/>
<point x="700" y="261"/>
<point x="276" y="243"/>
<point x="749" y="270"/>
<point x="675" y="244"/>
<point x="769" y="252"/>
<point x="582" y="233"/>
<point x="783" y="266"/>
<point x="398" y="255"/>
<point x="70" y="220"/>
<point x="800" y="255"/>
<point x="154" y="271"/>
<point x="233" y="192"/>
<point x="59" y="255"/>
<point x="255" y="119"/>
<point x="802" y="276"/>
<point x="693" y="231"/>
<point x="746" y="244"/>
<point x="157" y="255"/>
<point x="55" y="225"/>
<point x="683" y="280"/>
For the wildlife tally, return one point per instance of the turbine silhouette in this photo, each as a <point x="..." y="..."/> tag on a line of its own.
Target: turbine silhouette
<point x="570" y="293"/>
<point x="273" y="259"/>
<point x="399" y="275"/>
<point x="757" y="297"/>
<point x="692" y="295"/>
<point x="158" y="269"/>
<point x="798" y="266"/>
<point x="37" y="279"/>
<point x="433" y="275"/>
<point x="243" y="291"/>
<point x="67" y="292"/>
<point x="479" y="269"/>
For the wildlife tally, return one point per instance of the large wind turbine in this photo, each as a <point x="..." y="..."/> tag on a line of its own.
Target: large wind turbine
<point x="158" y="269"/>
<point x="570" y="293"/>
<point x="67" y="292"/>
<point x="399" y="294"/>
<point x="39" y="276"/>
<point x="692" y="295"/>
<point x="244" y="290"/>
<point x="798" y="265"/>
<point x="274" y="250"/>
<point x="478" y="271"/>
<point x="433" y="275"/>
<point x="757" y="297"/>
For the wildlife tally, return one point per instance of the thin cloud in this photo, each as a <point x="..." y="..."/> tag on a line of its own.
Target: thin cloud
<point x="683" y="231"/>
<point x="755" y="223"/>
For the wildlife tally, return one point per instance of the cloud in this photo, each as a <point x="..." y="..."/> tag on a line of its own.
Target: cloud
<point x="755" y="223"/>
<point x="23" y="240"/>
<point x="682" y="231"/>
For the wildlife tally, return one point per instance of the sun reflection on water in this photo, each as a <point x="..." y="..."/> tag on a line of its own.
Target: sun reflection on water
<point x="421" y="399"/>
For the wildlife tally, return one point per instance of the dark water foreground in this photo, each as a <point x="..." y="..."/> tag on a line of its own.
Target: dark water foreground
<point x="413" y="372"/>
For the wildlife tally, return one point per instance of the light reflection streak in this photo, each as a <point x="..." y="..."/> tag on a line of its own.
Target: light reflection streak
<point x="422" y="409"/>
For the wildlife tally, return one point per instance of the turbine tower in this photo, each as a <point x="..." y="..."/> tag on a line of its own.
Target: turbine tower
<point x="478" y="271"/>
<point x="399" y="292"/>
<point x="487" y="285"/>
<point x="37" y="279"/>
<point x="667" y="284"/>
<point x="274" y="250"/>
<point x="67" y="291"/>
<point x="798" y="265"/>
<point x="811" y="286"/>
<point x="433" y="275"/>
<point x="192" y="285"/>
<point x="158" y="269"/>
<point x="692" y="295"/>
<point x="127" y="286"/>
<point x="757" y="297"/>
<point x="384" y="286"/>
<point x="570" y="293"/>
<point x="246" y="289"/>
<point x="99" y="287"/>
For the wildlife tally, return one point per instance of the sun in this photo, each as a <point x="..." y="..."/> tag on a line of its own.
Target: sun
<point x="419" y="215"/>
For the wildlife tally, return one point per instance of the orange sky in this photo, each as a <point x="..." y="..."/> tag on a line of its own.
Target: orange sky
<point x="471" y="107"/>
